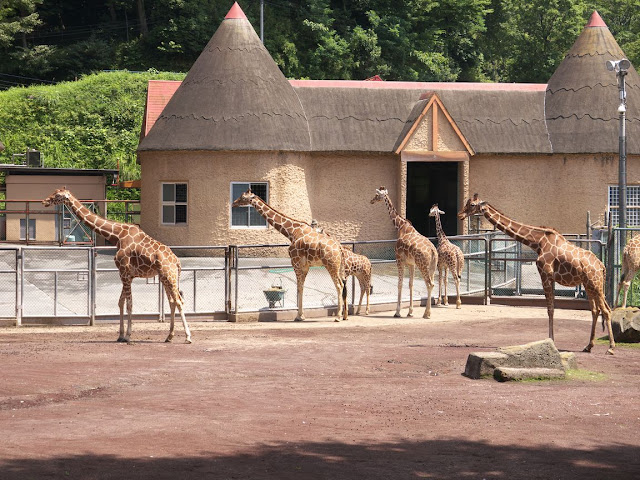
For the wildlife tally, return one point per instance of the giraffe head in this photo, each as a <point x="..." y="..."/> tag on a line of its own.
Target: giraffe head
<point x="380" y="194"/>
<point x="472" y="207"/>
<point x="435" y="210"/>
<point x="61" y="195"/>
<point x="244" y="199"/>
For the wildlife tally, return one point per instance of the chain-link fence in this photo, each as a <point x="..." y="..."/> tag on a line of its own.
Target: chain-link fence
<point x="83" y="284"/>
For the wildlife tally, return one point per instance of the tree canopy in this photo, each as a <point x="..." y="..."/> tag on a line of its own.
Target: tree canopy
<point x="427" y="40"/>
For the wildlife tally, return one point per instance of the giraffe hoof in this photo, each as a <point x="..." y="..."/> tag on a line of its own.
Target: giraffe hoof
<point x="168" y="340"/>
<point x="587" y="349"/>
<point x="188" y="340"/>
<point x="397" y="315"/>
<point x="610" y="352"/>
<point x="336" y="319"/>
<point x="298" y="319"/>
<point x="409" y="315"/>
<point x="121" y="340"/>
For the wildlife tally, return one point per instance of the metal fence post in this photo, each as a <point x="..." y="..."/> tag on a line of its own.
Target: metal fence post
<point x="93" y="275"/>
<point x="487" y="271"/>
<point x="19" y="287"/>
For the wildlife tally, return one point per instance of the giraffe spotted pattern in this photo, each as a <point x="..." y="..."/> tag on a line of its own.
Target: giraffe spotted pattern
<point x="630" y="266"/>
<point x="450" y="258"/>
<point x="360" y="267"/>
<point x="137" y="256"/>
<point x="558" y="261"/>
<point x="412" y="249"/>
<point x="308" y="248"/>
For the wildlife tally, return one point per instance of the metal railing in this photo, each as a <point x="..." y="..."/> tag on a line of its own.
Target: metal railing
<point x="82" y="284"/>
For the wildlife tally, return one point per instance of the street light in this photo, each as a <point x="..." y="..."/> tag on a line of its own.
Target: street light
<point x="621" y="67"/>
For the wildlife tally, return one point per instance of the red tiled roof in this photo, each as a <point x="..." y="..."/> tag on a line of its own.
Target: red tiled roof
<point x="236" y="12"/>
<point x="158" y="95"/>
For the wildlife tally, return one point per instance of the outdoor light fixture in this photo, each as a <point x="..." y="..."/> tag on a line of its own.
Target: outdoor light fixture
<point x="621" y="68"/>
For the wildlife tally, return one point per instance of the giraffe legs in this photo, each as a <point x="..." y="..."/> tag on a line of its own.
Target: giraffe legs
<point x="429" y="277"/>
<point x="440" y="279"/>
<point x="598" y="305"/>
<point x="125" y="297"/>
<point x="342" y="303"/>
<point x="175" y="301"/>
<point x="400" y="281"/>
<point x="444" y="280"/>
<point x="547" y="286"/>
<point x="456" y="279"/>
<point x="625" y="282"/>
<point x="301" y="275"/>
<point x="412" y="270"/>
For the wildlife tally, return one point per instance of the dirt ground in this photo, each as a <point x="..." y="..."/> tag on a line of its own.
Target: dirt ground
<point x="371" y="398"/>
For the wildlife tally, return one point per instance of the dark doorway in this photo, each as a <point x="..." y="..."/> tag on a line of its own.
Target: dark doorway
<point x="429" y="183"/>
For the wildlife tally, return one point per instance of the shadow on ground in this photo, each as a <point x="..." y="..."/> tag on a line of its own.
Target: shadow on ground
<point x="441" y="459"/>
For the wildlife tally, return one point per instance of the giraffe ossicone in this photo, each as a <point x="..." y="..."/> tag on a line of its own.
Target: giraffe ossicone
<point x="558" y="261"/>
<point x="137" y="256"/>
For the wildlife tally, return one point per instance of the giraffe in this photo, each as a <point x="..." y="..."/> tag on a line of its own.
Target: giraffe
<point x="308" y="248"/>
<point x="138" y="256"/>
<point x="412" y="249"/>
<point x="360" y="267"/>
<point x="450" y="258"/>
<point x="630" y="266"/>
<point x="558" y="261"/>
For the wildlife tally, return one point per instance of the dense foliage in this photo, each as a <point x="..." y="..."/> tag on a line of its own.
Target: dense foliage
<point x="449" y="40"/>
<point x="90" y="123"/>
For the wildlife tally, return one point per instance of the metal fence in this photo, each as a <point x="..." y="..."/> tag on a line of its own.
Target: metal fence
<point x="82" y="284"/>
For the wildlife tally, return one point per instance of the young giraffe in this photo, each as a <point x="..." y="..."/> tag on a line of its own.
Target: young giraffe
<point x="412" y="249"/>
<point x="558" y="261"/>
<point x="630" y="266"/>
<point x="450" y="258"/>
<point x="360" y="267"/>
<point x="138" y="256"/>
<point x="308" y="248"/>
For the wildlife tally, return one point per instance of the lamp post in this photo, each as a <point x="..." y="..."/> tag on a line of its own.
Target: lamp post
<point x="621" y="67"/>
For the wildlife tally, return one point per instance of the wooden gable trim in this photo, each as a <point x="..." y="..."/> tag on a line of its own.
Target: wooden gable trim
<point x="435" y="103"/>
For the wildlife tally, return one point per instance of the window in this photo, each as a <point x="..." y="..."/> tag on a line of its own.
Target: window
<point x="633" y="205"/>
<point x="23" y="229"/>
<point x="174" y="203"/>
<point x="248" y="216"/>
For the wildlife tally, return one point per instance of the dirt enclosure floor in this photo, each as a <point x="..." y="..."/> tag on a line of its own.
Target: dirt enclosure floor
<point x="371" y="398"/>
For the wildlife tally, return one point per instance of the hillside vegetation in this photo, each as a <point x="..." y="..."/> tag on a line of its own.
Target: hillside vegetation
<point x="90" y="123"/>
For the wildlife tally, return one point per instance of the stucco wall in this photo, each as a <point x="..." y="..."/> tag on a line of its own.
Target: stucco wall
<point x="550" y="190"/>
<point x="39" y="187"/>
<point x="333" y="189"/>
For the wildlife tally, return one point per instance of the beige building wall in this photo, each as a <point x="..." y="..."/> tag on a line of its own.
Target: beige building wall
<point x="334" y="189"/>
<point x="550" y="190"/>
<point x="38" y="187"/>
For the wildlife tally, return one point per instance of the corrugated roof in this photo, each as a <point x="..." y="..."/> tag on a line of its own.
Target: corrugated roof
<point x="582" y="96"/>
<point x="233" y="98"/>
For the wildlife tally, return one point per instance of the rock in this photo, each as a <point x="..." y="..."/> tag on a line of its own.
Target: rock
<point x="625" y="323"/>
<point x="506" y="374"/>
<point x="539" y="359"/>
<point x="482" y="364"/>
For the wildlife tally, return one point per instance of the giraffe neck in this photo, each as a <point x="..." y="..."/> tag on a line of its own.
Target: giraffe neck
<point x="442" y="238"/>
<point x="287" y="226"/>
<point x="398" y="221"/>
<point x="106" y="228"/>
<point x="526" y="234"/>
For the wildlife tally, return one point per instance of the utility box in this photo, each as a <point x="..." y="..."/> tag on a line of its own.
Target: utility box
<point x="34" y="159"/>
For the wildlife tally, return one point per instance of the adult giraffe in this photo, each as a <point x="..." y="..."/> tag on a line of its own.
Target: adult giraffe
<point x="412" y="249"/>
<point x="138" y="256"/>
<point x="558" y="261"/>
<point x="308" y="248"/>
<point x="630" y="266"/>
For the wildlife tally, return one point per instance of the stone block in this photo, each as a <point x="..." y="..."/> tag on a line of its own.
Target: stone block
<point x="482" y="364"/>
<point x="569" y="360"/>
<point x="506" y="374"/>
<point x="542" y="353"/>
<point x="625" y="323"/>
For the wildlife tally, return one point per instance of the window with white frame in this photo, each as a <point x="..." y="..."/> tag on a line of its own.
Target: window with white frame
<point x="23" y="229"/>
<point x="247" y="216"/>
<point x="633" y="205"/>
<point x="174" y="203"/>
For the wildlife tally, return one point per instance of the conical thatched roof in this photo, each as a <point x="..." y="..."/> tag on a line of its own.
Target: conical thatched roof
<point x="234" y="98"/>
<point x="581" y="104"/>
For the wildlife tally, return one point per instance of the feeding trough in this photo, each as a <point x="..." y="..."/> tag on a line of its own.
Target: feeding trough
<point x="275" y="295"/>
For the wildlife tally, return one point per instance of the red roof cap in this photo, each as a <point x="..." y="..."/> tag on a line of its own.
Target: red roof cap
<point x="236" y="12"/>
<point x="596" y="20"/>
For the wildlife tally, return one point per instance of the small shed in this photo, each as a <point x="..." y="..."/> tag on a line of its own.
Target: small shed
<point x="24" y="220"/>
